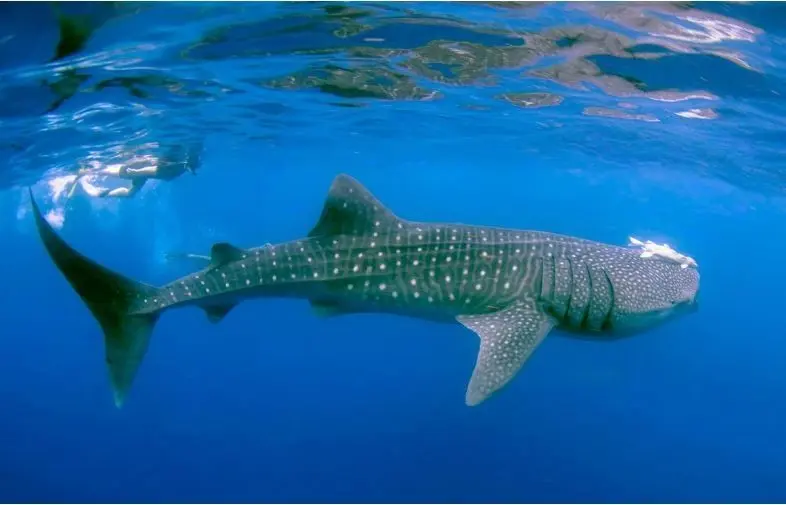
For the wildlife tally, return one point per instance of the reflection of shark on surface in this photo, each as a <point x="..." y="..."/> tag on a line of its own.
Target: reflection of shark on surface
<point x="510" y="287"/>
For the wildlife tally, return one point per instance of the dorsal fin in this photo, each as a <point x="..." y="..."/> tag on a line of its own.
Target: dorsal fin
<point x="351" y="209"/>
<point x="223" y="252"/>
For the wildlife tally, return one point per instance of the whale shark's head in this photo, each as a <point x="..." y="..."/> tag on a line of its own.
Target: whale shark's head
<point x="651" y="291"/>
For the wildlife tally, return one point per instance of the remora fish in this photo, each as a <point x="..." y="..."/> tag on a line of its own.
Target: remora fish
<point x="510" y="287"/>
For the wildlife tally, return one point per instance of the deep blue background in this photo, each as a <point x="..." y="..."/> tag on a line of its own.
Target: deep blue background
<point x="276" y="405"/>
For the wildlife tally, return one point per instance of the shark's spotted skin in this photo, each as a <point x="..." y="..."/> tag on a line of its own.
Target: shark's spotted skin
<point x="511" y="287"/>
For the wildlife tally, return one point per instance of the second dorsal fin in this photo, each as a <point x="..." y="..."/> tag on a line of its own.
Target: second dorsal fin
<point x="351" y="209"/>
<point x="223" y="252"/>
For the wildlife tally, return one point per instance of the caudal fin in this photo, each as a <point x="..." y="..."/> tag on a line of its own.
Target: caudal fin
<point x="110" y="297"/>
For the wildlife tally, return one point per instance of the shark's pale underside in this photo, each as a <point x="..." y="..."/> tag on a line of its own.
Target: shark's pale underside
<point x="510" y="287"/>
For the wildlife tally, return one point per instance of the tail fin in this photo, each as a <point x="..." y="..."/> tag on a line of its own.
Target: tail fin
<point x="109" y="296"/>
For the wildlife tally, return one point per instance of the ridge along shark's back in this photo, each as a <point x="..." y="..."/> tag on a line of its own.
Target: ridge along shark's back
<point x="510" y="287"/>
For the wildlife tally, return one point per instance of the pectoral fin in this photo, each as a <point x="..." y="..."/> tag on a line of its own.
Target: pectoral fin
<point x="507" y="338"/>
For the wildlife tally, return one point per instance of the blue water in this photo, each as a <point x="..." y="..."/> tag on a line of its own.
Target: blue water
<point x="659" y="121"/>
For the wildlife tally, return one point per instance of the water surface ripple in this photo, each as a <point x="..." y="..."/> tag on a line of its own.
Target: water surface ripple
<point x="697" y="85"/>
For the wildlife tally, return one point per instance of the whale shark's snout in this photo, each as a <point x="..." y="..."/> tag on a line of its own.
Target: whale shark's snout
<point x="687" y="282"/>
<point x="681" y="286"/>
<point x="688" y="302"/>
<point x="651" y="291"/>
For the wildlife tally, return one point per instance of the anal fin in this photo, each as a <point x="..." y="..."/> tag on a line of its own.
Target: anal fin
<point x="215" y="313"/>
<point x="325" y="309"/>
<point x="507" y="338"/>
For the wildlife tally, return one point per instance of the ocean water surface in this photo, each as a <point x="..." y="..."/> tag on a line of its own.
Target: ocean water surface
<point x="662" y="121"/>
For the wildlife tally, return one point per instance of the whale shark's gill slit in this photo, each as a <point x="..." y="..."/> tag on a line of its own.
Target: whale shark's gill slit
<point x="580" y="295"/>
<point x="553" y="279"/>
<point x="547" y="293"/>
<point x="537" y="280"/>
<point x="606" y="324"/>
<point x="569" y="299"/>
<point x="586" y="309"/>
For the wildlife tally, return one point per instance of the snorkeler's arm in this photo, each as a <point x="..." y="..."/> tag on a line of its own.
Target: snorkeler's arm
<point x="113" y="170"/>
<point x="148" y="171"/>
<point x="99" y="192"/>
<point x="136" y="185"/>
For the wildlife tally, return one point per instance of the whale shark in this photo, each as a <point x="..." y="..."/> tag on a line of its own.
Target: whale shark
<point x="510" y="287"/>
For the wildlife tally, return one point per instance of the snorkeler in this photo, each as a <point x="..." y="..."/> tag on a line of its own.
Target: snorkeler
<point x="202" y="259"/>
<point x="141" y="169"/>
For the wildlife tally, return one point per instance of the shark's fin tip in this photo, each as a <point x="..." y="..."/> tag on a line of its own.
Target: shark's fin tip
<point x="120" y="399"/>
<point x="472" y="400"/>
